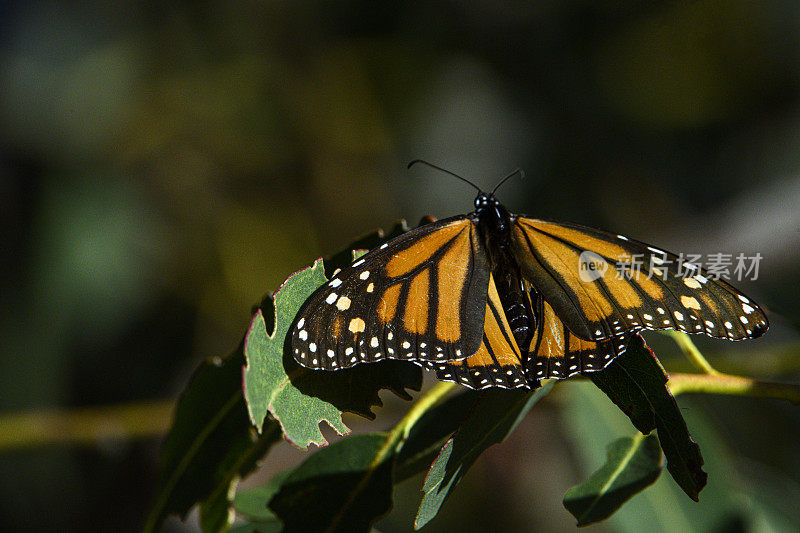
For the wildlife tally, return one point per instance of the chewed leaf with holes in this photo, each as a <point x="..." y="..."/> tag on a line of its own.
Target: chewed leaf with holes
<point x="301" y="399"/>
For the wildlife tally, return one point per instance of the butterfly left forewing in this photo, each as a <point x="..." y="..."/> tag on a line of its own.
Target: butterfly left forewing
<point x="630" y="285"/>
<point x="417" y="298"/>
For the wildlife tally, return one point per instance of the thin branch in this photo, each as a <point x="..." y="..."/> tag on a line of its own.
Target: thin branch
<point x="727" y="384"/>
<point x="691" y="351"/>
<point x="85" y="426"/>
<point x="396" y="436"/>
<point x="151" y="419"/>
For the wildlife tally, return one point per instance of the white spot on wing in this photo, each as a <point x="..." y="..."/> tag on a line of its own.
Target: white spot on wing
<point x="357" y="325"/>
<point x="691" y="283"/>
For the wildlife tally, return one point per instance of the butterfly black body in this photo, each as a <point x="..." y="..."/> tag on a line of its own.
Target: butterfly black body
<point x="493" y="299"/>
<point x="494" y="227"/>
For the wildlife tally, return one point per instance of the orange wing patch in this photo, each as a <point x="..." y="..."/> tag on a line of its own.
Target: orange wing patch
<point x="415" y="320"/>
<point x="498" y="361"/>
<point x="558" y="353"/>
<point x="454" y="263"/>
<point x="422" y="250"/>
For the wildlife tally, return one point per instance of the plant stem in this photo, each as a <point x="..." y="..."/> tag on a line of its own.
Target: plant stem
<point x="692" y="352"/>
<point x="727" y="384"/>
<point x="420" y="407"/>
<point x="85" y="426"/>
<point x="150" y="419"/>
<point x="390" y="445"/>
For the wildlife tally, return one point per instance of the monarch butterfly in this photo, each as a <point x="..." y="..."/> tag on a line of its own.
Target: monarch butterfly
<point x="494" y="299"/>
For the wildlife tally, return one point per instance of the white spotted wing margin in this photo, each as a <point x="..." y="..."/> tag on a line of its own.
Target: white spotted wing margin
<point x="420" y="297"/>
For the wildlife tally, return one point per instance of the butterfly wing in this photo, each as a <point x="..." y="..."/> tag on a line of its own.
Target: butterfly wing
<point x="627" y="285"/>
<point x="498" y="361"/>
<point x="558" y="353"/>
<point x="554" y="352"/>
<point x="419" y="297"/>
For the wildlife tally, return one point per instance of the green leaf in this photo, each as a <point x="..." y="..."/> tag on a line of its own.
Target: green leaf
<point x="259" y="527"/>
<point x="216" y="513"/>
<point x="632" y="464"/>
<point x="268" y="389"/>
<point x="210" y="444"/>
<point x="298" y="398"/>
<point x="492" y="419"/>
<point x="636" y="383"/>
<point x="253" y="504"/>
<point x="344" y="487"/>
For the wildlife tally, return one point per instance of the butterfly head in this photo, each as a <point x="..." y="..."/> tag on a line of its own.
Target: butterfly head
<point x="491" y="213"/>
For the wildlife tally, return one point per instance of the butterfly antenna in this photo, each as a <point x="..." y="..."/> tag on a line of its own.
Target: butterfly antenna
<point x="502" y="181"/>
<point x="465" y="180"/>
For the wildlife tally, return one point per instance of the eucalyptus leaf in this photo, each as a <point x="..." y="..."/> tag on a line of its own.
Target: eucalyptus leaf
<point x="210" y="444"/>
<point x="258" y="527"/>
<point x="491" y="420"/>
<point x="632" y="464"/>
<point x="636" y="382"/>
<point x="344" y="487"/>
<point x="298" y="398"/>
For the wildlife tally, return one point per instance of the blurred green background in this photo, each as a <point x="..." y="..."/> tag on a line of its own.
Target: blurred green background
<point x="163" y="165"/>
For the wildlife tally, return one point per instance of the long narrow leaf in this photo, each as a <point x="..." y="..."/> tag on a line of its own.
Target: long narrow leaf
<point x="632" y="464"/>
<point x="344" y="487"/>
<point x="636" y="382"/>
<point x="493" y="418"/>
<point x="210" y="443"/>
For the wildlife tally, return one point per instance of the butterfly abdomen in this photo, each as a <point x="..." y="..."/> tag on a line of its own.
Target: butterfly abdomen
<point x="516" y="305"/>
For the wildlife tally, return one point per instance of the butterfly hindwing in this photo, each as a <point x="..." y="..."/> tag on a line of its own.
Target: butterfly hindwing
<point x="558" y="353"/>
<point x="419" y="297"/>
<point x="554" y="353"/>
<point x="627" y="285"/>
<point x="498" y="361"/>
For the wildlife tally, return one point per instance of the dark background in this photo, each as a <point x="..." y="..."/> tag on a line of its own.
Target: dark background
<point x="163" y="165"/>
